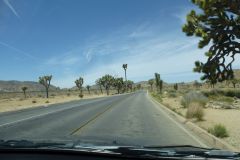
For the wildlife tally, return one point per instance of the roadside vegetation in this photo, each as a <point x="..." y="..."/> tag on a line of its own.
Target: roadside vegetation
<point x="219" y="130"/>
<point x="104" y="86"/>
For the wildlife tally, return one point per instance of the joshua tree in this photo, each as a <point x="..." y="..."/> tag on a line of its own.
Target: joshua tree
<point x="125" y="71"/>
<point x="161" y="85"/>
<point x="139" y="86"/>
<point x="24" y="91"/>
<point x="107" y="81"/>
<point x="118" y="84"/>
<point x="100" y="84"/>
<point x="234" y="81"/>
<point x="129" y="84"/>
<point x="175" y="86"/>
<point x="79" y="84"/>
<point x="217" y="25"/>
<point x="159" y="82"/>
<point x="45" y="81"/>
<point x="151" y="81"/>
<point x="88" y="88"/>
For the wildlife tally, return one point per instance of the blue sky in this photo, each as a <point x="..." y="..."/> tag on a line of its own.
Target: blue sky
<point x="89" y="38"/>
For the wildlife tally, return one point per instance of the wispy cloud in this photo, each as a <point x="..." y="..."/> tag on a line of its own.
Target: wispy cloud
<point x="9" y="5"/>
<point x="145" y="55"/>
<point x="144" y="52"/>
<point x="18" y="51"/>
<point x="66" y="60"/>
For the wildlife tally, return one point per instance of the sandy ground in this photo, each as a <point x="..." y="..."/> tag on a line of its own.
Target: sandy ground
<point x="230" y="118"/>
<point x="12" y="104"/>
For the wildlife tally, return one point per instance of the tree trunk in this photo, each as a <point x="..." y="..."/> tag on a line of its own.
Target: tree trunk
<point x="101" y="89"/>
<point x="118" y="91"/>
<point x="47" y="92"/>
<point x="234" y="85"/>
<point x="24" y="92"/>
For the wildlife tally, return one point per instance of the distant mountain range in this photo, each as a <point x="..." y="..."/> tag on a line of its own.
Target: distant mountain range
<point x="16" y="86"/>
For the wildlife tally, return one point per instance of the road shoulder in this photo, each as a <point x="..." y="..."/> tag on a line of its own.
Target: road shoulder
<point x="190" y="127"/>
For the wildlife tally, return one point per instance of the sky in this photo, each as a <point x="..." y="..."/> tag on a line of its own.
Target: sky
<point x="90" y="38"/>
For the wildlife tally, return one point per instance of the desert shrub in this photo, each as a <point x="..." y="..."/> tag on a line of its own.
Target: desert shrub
<point x="68" y="94"/>
<point x="219" y="130"/>
<point x="195" y="110"/>
<point x="47" y="102"/>
<point x="34" y="101"/>
<point x="39" y="95"/>
<point x="53" y="95"/>
<point x="232" y="93"/>
<point x="172" y="93"/>
<point x="80" y="95"/>
<point x="193" y="96"/>
<point x="227" y="93"/>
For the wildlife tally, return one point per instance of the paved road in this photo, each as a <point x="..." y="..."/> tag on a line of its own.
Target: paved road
<point x="131" y="119"/>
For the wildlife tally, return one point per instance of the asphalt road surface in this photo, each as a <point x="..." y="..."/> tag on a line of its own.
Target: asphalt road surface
<point x="129" y="119"/>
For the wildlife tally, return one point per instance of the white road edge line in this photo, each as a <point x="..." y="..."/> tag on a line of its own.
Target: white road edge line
<point x="179" y="125"/>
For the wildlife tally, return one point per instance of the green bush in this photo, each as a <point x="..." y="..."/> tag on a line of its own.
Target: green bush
<point x="34" y="101"/>
<point x="157" y="96"/>
<point x="227" y="93"/>
<point x="80" y="95"/>
<point x="193" y="96"/>
<point x="172" y="95"/>
<point x="219" y="130"/>
<point x="195" y="110"/>
<point x="47" y="102"/>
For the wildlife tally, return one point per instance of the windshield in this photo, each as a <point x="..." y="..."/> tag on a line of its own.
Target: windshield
<point x="121" y="72"/>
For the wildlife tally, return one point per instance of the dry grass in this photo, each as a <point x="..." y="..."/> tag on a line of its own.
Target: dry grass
<point x="227" y="117"/>
<point x="195" y="110"/>
<point x="12" y="104"/>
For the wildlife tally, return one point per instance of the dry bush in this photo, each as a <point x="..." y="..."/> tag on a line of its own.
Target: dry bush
<point x="193" y="96"/>
<point x="195" y="110"/>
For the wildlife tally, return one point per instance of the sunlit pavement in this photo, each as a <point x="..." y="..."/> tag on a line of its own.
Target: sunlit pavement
<point x="131" y="119"/>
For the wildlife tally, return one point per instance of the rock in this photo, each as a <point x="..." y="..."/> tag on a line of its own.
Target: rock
<point x="220" y="105"/>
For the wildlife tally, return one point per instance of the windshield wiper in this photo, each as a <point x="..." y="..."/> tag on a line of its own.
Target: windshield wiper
<point x="127" y="151"/>
<point x="30" y="144"/>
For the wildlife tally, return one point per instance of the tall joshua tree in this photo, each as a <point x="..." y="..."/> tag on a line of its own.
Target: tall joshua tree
<point x="125" y="71"/>
<point x="24" y="91"/>
<point x="150" y="82"/>
<point x="108" y="81"/>
<point x="118" y="84"/>
<point x="79" y="84"/>
<point x="88" y="88"/>
<point x="45" y="81"/>
<point x="99" y="82"/>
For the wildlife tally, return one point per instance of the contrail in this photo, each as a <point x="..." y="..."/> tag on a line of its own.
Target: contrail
<point x="18" y="50"/>
<point x="11" y="8"/>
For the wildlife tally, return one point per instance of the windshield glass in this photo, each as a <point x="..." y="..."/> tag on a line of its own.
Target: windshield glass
<point x="121" y="72"/>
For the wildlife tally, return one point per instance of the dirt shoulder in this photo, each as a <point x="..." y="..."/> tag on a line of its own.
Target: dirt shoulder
<point x="13" y="104"/>
<point x="212" y="116"/>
